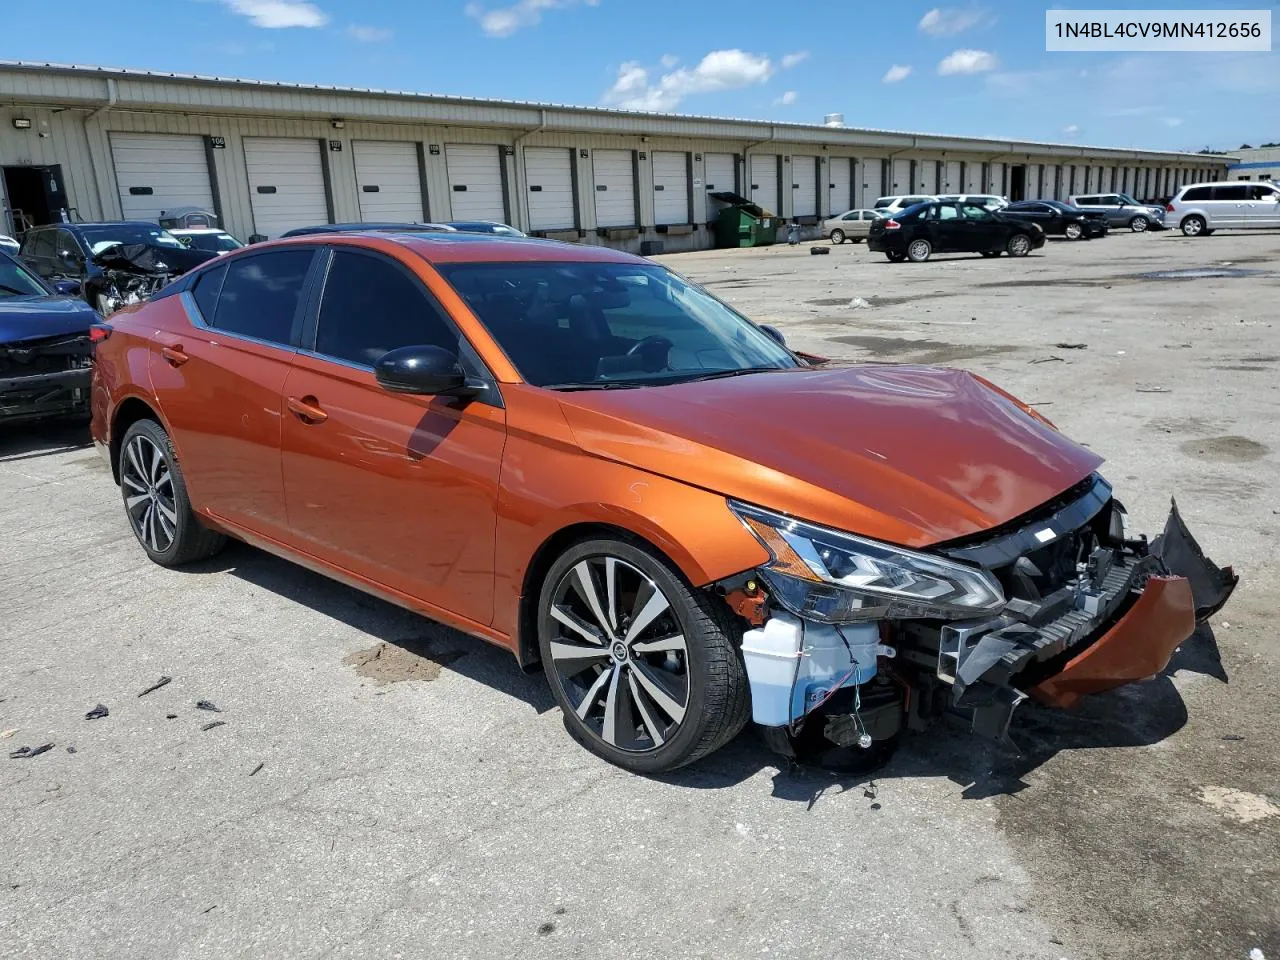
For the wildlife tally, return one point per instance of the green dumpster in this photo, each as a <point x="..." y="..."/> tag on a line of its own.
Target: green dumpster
<point x="742" y="223"/>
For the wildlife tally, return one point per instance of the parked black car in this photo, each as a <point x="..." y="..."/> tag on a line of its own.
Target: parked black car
<point x="67" y="251"/>
<point x="1059" y="219"/>
<point x="46" y="357"/>
<point x="369" y="228"/>
<point x="924" y="229"/>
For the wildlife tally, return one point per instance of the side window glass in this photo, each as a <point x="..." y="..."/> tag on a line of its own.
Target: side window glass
<point x="260" y="295"/>
<point x="206" y="290"/>
<point x="42" y="244"/>
<point x="851" y="216"/>
<point x="370" y="306"/>
<point x="948" y="212"/>
<point x="1196" y="193"/>
<point x="972" y="211"/>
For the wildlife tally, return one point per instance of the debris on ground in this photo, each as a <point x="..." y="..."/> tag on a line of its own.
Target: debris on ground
<point x="171" y="716"/>
<point x="1154" y="390"/>
<point x="1071" y="346"/>
<point x="71" y="749"/>
<point x="1257" y="954"/>
<point x="1232" y="736"/>
<point x="207" y="705"/>
<point x="257" y="768"/>
<point x="215" y="723"/>
<point x="857" y="303"/>
<point x="26" y="753"/>
<point x="819" y="251"/>
<point x="156" y="686"/>
<point x="6" y="734"/>
<point x="1047" y="360"/>
<point x="97" y="713"/>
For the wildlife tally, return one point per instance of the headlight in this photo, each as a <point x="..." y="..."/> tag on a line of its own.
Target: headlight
<point x="836" y="577"/>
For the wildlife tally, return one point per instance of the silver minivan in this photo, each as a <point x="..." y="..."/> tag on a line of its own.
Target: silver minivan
<point x="1201" y="208"/>
<point x="1121" y="210"/>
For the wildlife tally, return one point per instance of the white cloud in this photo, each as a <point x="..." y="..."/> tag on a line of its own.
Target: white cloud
<point x="504" y="21"/>
<point x="276" y="14"/>
<point x="786" y="99"/>
<point x="947" y="21"/>
<point x="896" y="74"/>
<point x="1173" y="121"/>
<point x="368" y="34"/>
<point x="668" y="61"/>
<point x="1071" y="130"/>
<point x="794" y="59"/>
<point x="967" y="61"/>
<point x="718" y="70"/>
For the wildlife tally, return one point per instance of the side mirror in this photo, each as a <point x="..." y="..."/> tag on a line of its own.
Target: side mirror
<point x="423" y="369"/>
<point x="774" y="332"/>
<point x="257" y="238"/>
<point x="69" y="288"/>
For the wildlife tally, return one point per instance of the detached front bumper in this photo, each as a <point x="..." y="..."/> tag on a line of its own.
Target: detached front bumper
<point x="40" y="395"/>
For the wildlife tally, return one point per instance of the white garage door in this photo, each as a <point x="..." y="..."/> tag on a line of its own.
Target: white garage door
<point x="475" y="181"/>
<point x="764" y="181"/>
<point x="872" y="182"/>
<point x="388" y="181"/>
<point x="973" y="177"/>
<point x="718" y="173"/>
<point x="804" y="186"/>
<point x="286" y="183"/>
<point x="549" y="174"/>
<point x="156" y="172"/>
<point x="951" y="177"/>
<point x="925" y="173"/>
<point x="670" y="187"/>
<point x="899" y="178"/>
<point x="615" y="181"/>
<point x="839" y="185"/>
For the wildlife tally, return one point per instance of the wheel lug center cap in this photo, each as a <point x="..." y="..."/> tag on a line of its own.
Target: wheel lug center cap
<point x="620" y="652"/>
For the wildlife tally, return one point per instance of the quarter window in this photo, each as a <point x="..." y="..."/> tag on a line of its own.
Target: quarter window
<point x="371" y="306"/>
<point x="206" y="289"/>
<point x="1195" y="194"/>
<point x="260" y="295"/>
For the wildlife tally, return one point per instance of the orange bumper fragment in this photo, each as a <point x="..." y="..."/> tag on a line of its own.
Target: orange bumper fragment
<point x="1137" y="647"/>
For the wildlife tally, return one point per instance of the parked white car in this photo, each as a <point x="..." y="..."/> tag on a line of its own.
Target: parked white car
<point x="988" y="200"/>
<point x="9" y="245"/>
<point x="1198" y="209"/>
<point x="891" y="205"/>
<point x="851" y="225"/>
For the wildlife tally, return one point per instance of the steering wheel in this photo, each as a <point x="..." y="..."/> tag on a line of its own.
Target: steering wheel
<point x="653" y="352"/>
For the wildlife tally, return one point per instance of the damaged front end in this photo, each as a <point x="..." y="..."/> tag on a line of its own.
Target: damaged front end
<point x="853" y="640"/>
<point x="45" y="377"/>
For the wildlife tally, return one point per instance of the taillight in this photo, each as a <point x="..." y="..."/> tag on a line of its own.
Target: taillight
<point x="892" y="225"/>
<point x="1168" y="208"/>
<point x="99" y="332"/>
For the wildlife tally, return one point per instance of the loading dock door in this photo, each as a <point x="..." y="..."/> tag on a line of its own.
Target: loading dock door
<point x="475" y="181"/>
<point x="718" y="173"/>
<point x="671" y="188"/>
<point x="156" y="172"/>
<point x="286" y="183"/>
<point x="549" y="175"/>
<point x="388" y="181"/>
<point x="764" y="181"/>
<point x="804" y="186"/>
<point x="951" y="177"/>
<point x="900" y="180"/>
<point x="872" y="182"/>
<point x="840" y="183"/>
<point x="615" y="182"/>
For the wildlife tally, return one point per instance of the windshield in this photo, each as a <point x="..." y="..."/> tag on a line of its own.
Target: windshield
<point x="594" y="325"/>
<point x="15" y="281"/>
<point x="1125" y="198"/>
<point x="213" y="242"/>
<point x="99" y="238"/>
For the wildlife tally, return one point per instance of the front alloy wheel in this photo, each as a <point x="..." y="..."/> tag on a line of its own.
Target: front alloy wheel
<point x="642" y="666"/>
<point x="1139" y="224"/>
<point x="837" y="236"/>
<point x="1019" y="245"/>
<point x="1073" y="231"/>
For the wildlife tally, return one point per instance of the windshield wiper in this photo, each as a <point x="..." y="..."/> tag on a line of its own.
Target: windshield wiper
<point x="593" y="385"/>
<point x="741" y="372"/>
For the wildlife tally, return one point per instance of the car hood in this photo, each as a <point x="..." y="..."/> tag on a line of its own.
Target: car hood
<point x="904" y="454"/>
<point x="34" y="318"/>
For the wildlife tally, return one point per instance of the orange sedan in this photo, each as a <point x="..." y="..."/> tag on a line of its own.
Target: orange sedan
<point x="578" y="455"/>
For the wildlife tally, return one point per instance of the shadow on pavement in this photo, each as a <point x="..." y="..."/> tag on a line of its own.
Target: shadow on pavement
<point x="41" y="438"/>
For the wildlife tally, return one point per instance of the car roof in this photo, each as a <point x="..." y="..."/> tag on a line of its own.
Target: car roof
<point x="468" y="247"/>
<point x="99" y="223"/>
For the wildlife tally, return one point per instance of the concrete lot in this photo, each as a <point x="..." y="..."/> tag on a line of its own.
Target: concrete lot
<point x="425" y="801"/>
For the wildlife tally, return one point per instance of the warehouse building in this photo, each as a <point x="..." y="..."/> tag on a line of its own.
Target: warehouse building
<point x="1256" y="163"/>
<point x="101" y="143"/>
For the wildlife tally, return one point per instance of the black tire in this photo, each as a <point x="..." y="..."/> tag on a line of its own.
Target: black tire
<point x="1193" y="226"/>
<point x="837" y="236"/>
<point x="1139" y="224"/>
<point x="991" y="253"/>
<point x="144" y="481"/>
<point x="919" y="250"/>
<point x="1019" y="245"/>
<point x="1073" y="231"/>
<point x="716" y="692"/>
<point x="894" y="256"/>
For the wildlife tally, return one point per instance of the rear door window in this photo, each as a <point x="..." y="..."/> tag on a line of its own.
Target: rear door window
<point x="260" y="295"/>
<point x="1240" y="192"/>
<point x="371" y="306"/>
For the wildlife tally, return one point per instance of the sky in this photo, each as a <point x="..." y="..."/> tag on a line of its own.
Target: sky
<point x="971" y="69"/>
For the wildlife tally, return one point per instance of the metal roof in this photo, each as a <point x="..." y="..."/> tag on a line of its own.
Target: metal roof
<point x="806" y="130"/>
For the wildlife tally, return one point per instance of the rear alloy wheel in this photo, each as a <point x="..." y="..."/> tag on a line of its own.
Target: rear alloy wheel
<point x="1193" y="226"/>
<point x="837" y="236"/>
<point x="155" y="499"/>
<point x="1073" y="231"/>
<point x="1139" y="224"/>
<point x="1019" y="245"/>
<point x="918" y="251"/>
<point x="894" y="256"/>
<point x="643" y="667"/>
